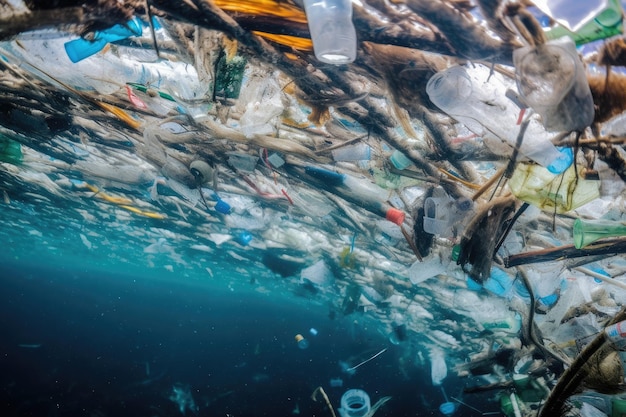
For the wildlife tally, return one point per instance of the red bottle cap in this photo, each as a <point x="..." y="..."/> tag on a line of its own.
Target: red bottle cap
<point x="395" y="216"/>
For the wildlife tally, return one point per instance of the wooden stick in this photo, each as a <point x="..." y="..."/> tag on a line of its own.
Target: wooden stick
<point x="602" y="247"/>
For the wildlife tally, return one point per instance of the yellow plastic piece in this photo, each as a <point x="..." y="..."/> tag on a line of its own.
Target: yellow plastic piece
<point x="347" y="258"/>
<point x="123" y="202"/>
<point x="302" y="44"/>
<point x="275" y="8"/>
<point x="536" y="185"/>
<point x="149" y="214"/>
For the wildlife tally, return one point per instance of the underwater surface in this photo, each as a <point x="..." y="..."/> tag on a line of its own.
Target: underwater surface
<point x="206" y="209"/>
<point x="99" y="342"/>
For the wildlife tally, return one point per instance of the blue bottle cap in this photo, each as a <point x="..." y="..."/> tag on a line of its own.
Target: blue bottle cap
<point x="222" y="207"/>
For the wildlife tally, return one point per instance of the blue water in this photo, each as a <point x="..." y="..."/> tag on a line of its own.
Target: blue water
<point x="89" y="343"/>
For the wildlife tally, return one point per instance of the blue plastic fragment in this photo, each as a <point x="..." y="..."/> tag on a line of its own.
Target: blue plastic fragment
<point x="79" y="49"/>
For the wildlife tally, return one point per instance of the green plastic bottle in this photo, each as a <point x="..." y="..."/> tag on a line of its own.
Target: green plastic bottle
<point x="607" y="23"/>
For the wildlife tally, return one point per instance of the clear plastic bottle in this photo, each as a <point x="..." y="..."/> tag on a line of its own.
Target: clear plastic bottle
<point x="302" y="342"/>
<point x="364" y="193"/>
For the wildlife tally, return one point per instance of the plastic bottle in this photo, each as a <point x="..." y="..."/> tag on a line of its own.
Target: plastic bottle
<point x="510" y="405"/>
<point x="550" y="192"/>
<point x="485" y="110"/>
<point x="359" y="191"/>
<point x="302" y="342"/>
<point x="616" y="333"/>
<point x="332" y="30"/>
<point x="441" y="213"/>
<point x="580" y="24"/>
<point x="618" y="406"/>
<point x="552" y="80"/>
<point x="588" y="231"/>
<point x="358" y="152"/>
<point x="105" y="72"/>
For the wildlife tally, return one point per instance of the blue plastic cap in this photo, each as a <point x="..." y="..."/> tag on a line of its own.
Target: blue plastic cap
<point x="222" y="207"/>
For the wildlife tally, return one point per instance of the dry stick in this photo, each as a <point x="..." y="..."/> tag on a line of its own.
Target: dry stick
<point x="342" y="144"/>
<point x="411" y="243"/>
<point x="532" y="334"/>
<point x="152" y="30"/>
<point x="602" y="247"/>
<point x="321" y="391"/>
<point x="489" y="183"/>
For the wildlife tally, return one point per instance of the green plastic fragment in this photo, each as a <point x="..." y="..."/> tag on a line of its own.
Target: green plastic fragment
<point x="10" y="151"/>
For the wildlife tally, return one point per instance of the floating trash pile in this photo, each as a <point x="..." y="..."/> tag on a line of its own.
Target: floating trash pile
<point x="454" y="170"/>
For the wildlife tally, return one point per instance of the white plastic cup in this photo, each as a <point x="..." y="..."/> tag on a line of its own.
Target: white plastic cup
<point x="332" y="30"/>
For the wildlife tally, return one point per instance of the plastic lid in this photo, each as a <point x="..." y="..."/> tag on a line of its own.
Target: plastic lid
<point x="395" y="216"/>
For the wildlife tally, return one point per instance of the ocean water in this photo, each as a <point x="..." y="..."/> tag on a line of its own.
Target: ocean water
<point x="78" y="341"/>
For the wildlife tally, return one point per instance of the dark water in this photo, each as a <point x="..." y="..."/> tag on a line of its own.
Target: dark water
<point x="84" y="343"/>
